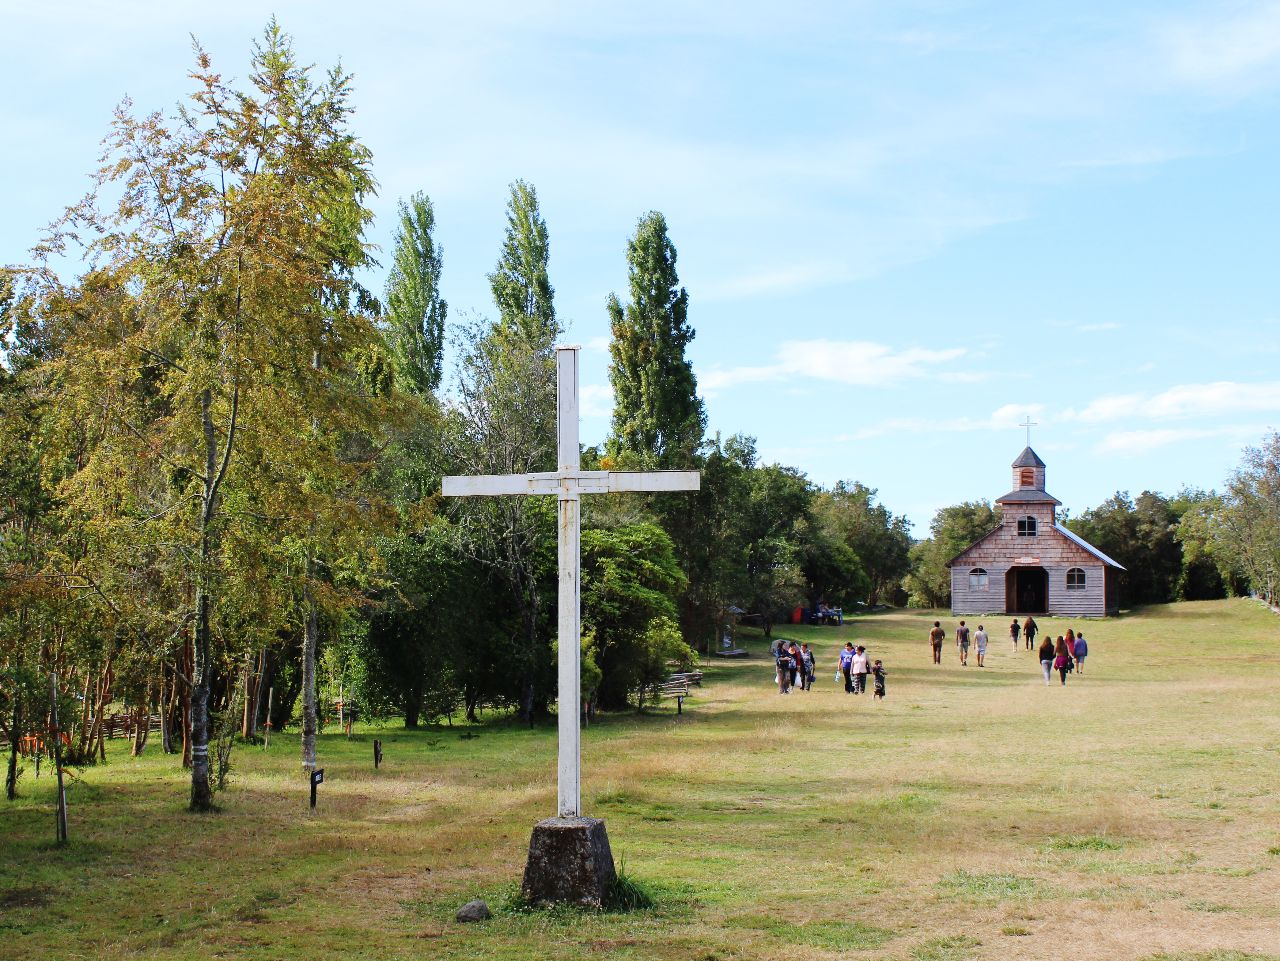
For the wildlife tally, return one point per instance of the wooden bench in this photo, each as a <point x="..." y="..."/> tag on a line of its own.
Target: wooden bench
<point x="690" y="677"/>
<point x="677" y="689"/>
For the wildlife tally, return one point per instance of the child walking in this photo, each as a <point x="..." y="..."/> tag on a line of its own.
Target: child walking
<point x="878" y="672"/>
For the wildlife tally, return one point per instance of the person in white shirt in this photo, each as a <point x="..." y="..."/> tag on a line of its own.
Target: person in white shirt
<point x="860" y="668"/>
<point x="980" y="639"/>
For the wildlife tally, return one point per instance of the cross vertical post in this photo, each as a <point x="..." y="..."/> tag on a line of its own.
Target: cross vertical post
<point x="569" y="857"/>
<point x="569" y="607"/>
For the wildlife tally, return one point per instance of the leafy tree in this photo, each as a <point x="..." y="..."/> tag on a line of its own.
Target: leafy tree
<point x="657" y="413"/>
<point x="1246" y="527"/>
<point x="521" y="288"/>
<point x="1141" y="535"/>
<point x="629" y="579"/>
<point x="206" y="349"/>
<point x="952" y="530"/>
<point x="415" y="310"/>
<point x="879" y="540"/>
<point x="504" y="423"/>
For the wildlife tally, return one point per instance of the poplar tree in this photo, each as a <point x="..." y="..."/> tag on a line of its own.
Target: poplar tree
<point x="415" y="310"/>
<point x="657" y="413"/>
<point x="521" y="289"/>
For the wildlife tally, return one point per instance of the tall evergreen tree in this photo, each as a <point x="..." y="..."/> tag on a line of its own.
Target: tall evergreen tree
<point x="521" y="289"/>
<point x="657" y="412"/>
<point x="415" y="311"/>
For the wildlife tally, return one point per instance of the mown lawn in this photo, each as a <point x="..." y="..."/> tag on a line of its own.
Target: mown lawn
<point x="975" y="814"/>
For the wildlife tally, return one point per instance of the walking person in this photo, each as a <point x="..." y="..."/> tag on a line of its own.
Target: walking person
<point x="1029" y="630"/>
<point x="1014" y="630"/>
<point x="1046" y="659"/>
<point x="962" y="642"/>
<point x="1062" y="660"/>
<point x="796" y="662"/>
<point x="783" y="661"/>
<point x="808" y="669"/>
<point x="1082" y="651"/>
<point x="936" y="636"/>
<point x="846" y="666"/>
<point x="980" y="640"/>
<point x="878" y="672"/>
<point x="861" y="667"/>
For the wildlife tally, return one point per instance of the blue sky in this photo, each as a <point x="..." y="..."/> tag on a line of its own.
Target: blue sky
<point x="903" y="226"/>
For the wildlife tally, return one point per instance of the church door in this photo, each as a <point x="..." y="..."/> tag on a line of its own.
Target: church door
<point x="1026" y="590"/>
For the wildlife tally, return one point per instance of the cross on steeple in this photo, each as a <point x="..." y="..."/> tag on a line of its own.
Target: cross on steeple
<point x="1028" y="424"/>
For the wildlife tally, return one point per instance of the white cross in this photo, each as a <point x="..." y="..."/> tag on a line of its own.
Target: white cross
<point x="568" y="483"/>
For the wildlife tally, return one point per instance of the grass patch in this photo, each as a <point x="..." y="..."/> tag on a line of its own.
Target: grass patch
<point x="1014" y="931"/>
<point x="956" y="947"/>
<point x="837" y="935"/>
<point x="1084" y="842"/>
<point x="988" y="887"/>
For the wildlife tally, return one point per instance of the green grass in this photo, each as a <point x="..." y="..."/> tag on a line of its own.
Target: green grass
<point x="1131" y="812"/>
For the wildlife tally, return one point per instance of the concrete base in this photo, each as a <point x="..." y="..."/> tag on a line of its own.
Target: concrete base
<point x="569" y="863"/>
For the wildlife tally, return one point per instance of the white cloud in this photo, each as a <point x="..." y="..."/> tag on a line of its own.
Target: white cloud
<point x="1134" y="442"/>
<point x="854" y="362"/>
<point x="1002" y="418"/>
<point x="595" y="400"/>
<point x="1225" y="49"/>
<point x="1185" y="400"/>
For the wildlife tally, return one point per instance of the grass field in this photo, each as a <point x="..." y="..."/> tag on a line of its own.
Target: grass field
<point x="1133" y="814"/>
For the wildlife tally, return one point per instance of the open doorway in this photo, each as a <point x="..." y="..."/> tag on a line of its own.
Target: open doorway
<point x="1026" y="590"/>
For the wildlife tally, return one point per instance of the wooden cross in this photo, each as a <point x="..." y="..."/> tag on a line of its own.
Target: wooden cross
<point x="1028" y="424"/>
<point x="568" y="483"/>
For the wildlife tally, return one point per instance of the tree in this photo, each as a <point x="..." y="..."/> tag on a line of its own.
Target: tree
<point x="952" y="530"/>
<point x="1246" y="529"/>
<point x="629" y="579"/>
<point x="521" y="289"/>
<point x="1141" y="535"/>
<point x="207" y="347"/>
<point x="415" y="311"/>
<point x="879" y="540"/>
<point x="657" y="413"/>
<point x="504" y="423"/>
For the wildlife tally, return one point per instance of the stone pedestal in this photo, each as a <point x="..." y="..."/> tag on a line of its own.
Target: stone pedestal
<point x="569" y="863"/>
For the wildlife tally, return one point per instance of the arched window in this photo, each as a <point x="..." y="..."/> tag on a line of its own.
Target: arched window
<point x="978" y="579"/>
<point x="1028" y="477"/>
<point x="1075" y="579"/>
<point x="1026" y="527"/>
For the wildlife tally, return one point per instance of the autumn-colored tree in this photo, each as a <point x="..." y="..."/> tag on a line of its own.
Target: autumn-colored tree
<point x="207" y="350"/>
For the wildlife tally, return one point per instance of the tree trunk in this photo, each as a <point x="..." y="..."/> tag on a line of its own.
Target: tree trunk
<point x="142" y="723"/>
<point x="309" y="641"/>
<point x="15" y="737"/>
<point x="201" y="795"/>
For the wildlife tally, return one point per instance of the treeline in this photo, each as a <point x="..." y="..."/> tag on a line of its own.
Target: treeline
<point x="1194" y="545"/>
<point x="220" y="456"/>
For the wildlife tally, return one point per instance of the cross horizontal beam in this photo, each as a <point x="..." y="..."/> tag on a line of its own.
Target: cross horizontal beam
<point x="572" y="482"/>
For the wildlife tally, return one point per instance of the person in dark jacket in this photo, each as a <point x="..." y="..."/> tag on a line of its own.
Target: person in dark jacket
<point x="878" y="672"/>
<point x="1029" y="630"/>
<point x="1046" y="659"/>
<point x="1082" y="651"/>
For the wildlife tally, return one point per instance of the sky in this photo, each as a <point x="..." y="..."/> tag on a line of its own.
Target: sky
<point x="904" y="226"/>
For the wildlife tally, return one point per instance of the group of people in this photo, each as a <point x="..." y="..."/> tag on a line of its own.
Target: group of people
<point x="964" y="639"/>
<point x="797" y="668"/>
<point x="1065" y="655"/>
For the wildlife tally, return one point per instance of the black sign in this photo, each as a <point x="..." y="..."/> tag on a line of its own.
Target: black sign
<point x="317" y="776"/>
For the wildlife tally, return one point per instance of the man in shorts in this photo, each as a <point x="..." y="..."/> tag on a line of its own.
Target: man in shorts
<point x="1014" y="630"/>
<point x="962" y="642"/>
<point x="936" y="637"/>
<point x="980" y="639"/>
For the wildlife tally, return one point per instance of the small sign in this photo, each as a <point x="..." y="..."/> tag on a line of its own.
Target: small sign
<point x="1027" y="560"/>
<point x="317" y="776"/>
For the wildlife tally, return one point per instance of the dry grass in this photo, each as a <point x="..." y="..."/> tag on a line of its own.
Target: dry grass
<point x="975" y="814"/>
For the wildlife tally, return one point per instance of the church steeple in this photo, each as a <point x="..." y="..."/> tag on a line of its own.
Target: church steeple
<point x="1028" y="471"/>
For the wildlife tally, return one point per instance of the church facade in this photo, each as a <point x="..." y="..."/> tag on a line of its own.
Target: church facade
<point x="1031" y="564"/>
